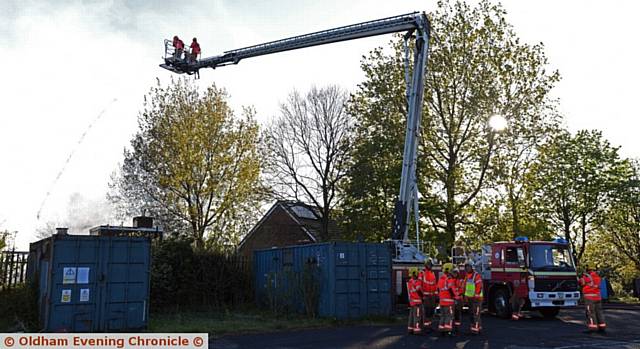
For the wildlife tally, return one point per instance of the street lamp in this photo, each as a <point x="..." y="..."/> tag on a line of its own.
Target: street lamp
<point x="497" y="122"/>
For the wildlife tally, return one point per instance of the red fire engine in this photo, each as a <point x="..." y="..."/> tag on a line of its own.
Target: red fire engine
<point x="541" y="273"/>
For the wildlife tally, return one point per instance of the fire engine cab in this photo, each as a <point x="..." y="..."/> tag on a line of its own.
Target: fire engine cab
<point x="542" y="273"/>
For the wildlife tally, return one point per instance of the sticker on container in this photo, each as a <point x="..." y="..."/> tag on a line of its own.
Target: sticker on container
<point x="66" y="296"/>
<point x="83" y="276"/>
<point x="84" y="295"/>
<point x="341" y="255"/>
<point x="69" y="276"/>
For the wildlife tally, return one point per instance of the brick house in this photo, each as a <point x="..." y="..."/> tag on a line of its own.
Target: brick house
<point x="286" y="223"/>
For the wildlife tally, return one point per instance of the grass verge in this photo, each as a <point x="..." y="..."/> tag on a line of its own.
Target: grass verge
<point x="221" y="323"/>
<point x="625" y="300"/>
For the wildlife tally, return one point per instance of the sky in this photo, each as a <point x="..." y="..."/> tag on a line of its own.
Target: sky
<point x="75" y="74"/>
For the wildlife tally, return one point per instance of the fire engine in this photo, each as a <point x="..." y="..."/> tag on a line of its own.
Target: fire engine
<point x="542" y="273"/>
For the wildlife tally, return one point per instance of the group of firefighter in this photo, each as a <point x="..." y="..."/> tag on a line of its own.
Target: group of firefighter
<point x="178" y="46"/>
<point x="455" y="288"/>
<point x="452" y="289"/>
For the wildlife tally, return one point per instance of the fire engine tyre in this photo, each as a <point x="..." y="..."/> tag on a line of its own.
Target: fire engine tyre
<point x="500" y="301"/>
<point x="549" y="313"/>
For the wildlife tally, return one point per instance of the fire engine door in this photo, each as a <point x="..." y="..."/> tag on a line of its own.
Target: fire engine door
<point x="515" y="269"/>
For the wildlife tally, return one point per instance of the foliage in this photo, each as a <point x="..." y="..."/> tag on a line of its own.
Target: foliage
<point x="285" y="290"/>
<point x="19" y="308"/>
<point x="192" y="164"/>
<point x="476" y="68"/>
<point x="4" y="237"/>
<point x="611" y="261"/>
<point x="572" y="184"/>
<point x="308" y="150"/>
<point x="621" y="226"/>
<point x="372" y="185"/>
<point x="182" y="277"/>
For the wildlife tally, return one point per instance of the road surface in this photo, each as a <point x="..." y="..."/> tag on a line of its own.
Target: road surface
<point x="533" y="332"/>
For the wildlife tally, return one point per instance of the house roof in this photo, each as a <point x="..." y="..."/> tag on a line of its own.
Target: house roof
<point x="306" y="216"/>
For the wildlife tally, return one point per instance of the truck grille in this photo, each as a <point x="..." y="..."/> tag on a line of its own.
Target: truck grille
<point x="547" y="285"/>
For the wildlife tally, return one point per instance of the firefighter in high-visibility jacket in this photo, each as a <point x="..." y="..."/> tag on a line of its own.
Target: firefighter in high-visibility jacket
<point x="590" y="282"/>
<point x="445" y="293"/>
<point x="429" y="290"/>
<point x="414" y="291"/>
<point x="473" y="295"/>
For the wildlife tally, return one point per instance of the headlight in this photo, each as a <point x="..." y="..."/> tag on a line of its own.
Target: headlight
<point x="531" y="282"/>
<point x="540" y="295"/>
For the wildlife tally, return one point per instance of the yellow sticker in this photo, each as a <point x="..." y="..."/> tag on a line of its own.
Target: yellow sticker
<point x="66" y="296"/>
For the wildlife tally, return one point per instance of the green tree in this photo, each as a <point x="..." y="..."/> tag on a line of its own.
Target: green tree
<point x="379" y="107"/>
<point x="622" y="221"/>
<point x="193" y="160"/>
<point x="573" y="182"/>
<point x="611" y="261"/>
<point x="476" y="68"/>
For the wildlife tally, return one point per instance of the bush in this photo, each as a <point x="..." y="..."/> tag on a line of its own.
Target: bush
<point x="19" y="308"/>
<point x="285" y="289"/>
<point x="204" y="280"/>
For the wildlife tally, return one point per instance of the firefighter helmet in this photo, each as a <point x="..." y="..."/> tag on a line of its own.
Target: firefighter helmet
<point x="413" y="271"/>
<point x="447" y="267"/>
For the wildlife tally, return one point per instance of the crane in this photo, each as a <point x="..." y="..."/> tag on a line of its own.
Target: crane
<point x="414" y="25"/>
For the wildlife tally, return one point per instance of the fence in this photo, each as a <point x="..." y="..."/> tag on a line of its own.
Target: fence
<point x="13" y="268"/>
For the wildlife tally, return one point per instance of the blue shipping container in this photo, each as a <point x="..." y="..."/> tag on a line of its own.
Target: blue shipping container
<point x="92" y="283"/>
<point x="353" y="279"/>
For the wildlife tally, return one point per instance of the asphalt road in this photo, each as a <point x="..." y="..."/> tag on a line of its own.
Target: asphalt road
<point x="564" y="332"/>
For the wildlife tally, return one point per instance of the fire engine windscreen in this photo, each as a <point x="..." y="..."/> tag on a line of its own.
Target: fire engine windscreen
<point x="550" y="257"/>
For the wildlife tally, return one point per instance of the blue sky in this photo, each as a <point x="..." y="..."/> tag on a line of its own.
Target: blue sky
<point x="65" y="61"/>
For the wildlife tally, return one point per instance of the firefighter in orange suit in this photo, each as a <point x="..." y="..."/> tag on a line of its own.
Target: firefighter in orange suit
<point x="473" y="295"/>
<point x="446" y="283"/>
<point x="414" y="291"/>
<point x="457" y="298"/>
<point x="429" y="290"/>
<point x="590" y="282"/>
<point x="517" y="303"/>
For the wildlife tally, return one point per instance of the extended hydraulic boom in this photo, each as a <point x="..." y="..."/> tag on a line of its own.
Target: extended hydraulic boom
<point x="413" y="24"/>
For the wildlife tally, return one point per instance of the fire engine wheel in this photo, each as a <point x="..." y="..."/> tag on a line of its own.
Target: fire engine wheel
<point x="549" y="313"/>
<point x="501" y="303"/>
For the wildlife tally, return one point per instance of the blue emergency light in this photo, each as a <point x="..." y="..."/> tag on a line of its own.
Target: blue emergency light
<point x="521" y="239"/>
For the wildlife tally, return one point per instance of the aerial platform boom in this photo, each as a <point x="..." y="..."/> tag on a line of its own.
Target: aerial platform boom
<point x="402" y="23"/>
<point x="413" y="24"/>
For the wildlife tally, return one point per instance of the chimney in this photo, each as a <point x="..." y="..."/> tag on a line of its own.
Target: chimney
<point x="142" y="222"/>
<point x="62" y="231"/>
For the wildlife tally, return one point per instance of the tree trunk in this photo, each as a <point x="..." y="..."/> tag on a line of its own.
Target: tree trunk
<point x="567" y="236"/>
<point x="451" y="227"/>
<point x="324" y="233"/>
<point x="515" y="213"/>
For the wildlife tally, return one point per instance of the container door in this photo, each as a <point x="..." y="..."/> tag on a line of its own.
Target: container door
<point x="125" y="283"/>
<point x="349" y="281"/>
<point x="73" y="286"/>
<point x="377" y="293"/>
